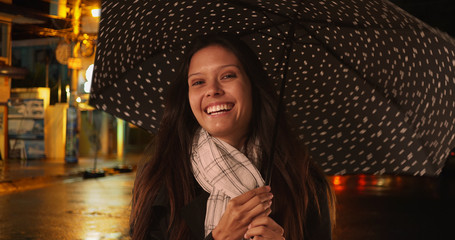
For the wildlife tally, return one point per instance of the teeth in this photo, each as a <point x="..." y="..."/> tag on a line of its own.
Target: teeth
<point x="218" y="108"/>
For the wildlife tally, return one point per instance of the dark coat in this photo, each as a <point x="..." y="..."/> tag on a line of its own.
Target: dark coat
<point x="193" y="214"/>
<point x="319" y="228"/>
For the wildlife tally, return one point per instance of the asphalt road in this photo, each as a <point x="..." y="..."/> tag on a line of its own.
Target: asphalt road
<point x="394" y="207"/>
<point x="369" y="207"/>
<point x="75" y="209"/>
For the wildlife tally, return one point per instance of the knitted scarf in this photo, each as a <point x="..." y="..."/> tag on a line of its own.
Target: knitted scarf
<point x="224" y="172"/>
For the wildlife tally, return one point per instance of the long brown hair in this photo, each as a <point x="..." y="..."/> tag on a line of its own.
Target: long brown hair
<point x="296" y="181"/>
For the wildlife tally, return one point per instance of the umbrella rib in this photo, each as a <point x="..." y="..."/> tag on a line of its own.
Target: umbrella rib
<point x="259" y="30"/>
<point x="240" y="33"/>
<point x="303" y="20"/>
<point x="263" y="10"/>
<point x="300" y="17"/>
<point x="333" y="53"/>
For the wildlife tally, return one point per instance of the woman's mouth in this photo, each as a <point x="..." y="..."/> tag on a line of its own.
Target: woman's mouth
<point x="219" y="108"/>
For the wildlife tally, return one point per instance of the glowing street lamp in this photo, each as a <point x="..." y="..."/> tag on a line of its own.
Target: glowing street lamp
<point x="96" y="12"/>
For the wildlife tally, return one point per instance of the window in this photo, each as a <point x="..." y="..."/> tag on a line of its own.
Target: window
<point x="4" y="41"/>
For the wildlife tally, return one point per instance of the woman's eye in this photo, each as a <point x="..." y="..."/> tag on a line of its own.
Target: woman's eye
<point x="229" y="75"/>
<point x="198" y="82"/>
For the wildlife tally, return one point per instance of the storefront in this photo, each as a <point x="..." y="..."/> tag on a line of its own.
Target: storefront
<point x="5" y="58"/>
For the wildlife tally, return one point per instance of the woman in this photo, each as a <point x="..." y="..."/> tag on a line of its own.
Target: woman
<point x="203" y="177"/>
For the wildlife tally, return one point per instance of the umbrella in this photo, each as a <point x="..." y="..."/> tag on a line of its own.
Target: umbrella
<point x="368" y="87"/>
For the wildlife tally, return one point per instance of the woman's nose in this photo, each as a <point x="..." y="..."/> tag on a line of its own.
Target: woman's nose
<point x="214" y="89"/>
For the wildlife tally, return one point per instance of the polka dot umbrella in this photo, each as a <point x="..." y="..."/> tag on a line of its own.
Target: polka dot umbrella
<point x="369" y="87"/>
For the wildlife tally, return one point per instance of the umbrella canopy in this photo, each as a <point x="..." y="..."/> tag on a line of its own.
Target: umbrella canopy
<point x="368" y="86"/>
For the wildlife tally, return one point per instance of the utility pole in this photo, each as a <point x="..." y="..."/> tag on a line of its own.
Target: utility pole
<point x="72" y="138"/>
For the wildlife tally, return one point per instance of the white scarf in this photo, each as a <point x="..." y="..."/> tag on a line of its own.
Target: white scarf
<point x="224" y="172"/>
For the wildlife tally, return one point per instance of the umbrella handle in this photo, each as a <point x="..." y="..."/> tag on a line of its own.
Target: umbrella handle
<point x="286" y="52"/>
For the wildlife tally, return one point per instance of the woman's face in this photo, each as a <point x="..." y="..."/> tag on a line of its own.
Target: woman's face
<point x="220" y="94"/>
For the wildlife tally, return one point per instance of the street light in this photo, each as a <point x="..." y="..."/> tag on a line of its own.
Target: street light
<point x="96" y="12"/>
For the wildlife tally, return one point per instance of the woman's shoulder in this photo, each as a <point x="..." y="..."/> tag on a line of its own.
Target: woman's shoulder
<point x="162" y="196"/>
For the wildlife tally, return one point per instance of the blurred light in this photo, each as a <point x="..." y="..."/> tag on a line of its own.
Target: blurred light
<point x="381" y="182"/>
<point x="120" y="137"/>
<point x="88" y="76"/>
<point x="336" y="180"/>
<point x="68" y="93"/>
<point x="13" y="72"/>
<point x="94" y="236"/>
<point x="89" y="73"/>
<point x="362" y="181"/>
<point x="78" y="99"/>
<point x="87" y="86"/>
<point x="339" y="183"/>
<point x="96" y="12"/>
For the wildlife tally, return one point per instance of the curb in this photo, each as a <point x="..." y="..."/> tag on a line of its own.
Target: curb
<point x="8" y="186"/>
<point x="22" y="184"/>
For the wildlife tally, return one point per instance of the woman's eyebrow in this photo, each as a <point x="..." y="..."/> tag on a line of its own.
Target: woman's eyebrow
<point x="190" y="75"/>
<point x="220" y="67"/>
<point x="229" y="65"/>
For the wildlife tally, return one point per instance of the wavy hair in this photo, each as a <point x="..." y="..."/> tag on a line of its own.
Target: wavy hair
<point x="296" y="180"/>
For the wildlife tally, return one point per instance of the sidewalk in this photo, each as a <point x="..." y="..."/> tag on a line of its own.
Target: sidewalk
<point x="17" y="175"/>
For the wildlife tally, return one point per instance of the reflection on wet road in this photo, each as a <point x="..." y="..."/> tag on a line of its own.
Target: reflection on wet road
<point x="393" y="207"/>
<point x="369" y="207"/>
<point x="89" y="210"/>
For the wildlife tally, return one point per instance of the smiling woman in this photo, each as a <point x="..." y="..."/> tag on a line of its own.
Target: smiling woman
<point x="220" y="94"/>
<point x="204" y="178"/>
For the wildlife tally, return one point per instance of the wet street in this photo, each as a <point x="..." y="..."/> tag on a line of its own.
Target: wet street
<point x="369" y="207"/>
<point x="77" y="209"/>
<point x="394" y="207"/>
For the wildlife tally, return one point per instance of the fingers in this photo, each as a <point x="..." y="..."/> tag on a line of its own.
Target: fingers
<point x="262" y="209"/>
<point x="264" y="228"/>
<point x="267" y="221"/>
<point x="253" y="203"/>
<point x="260" y="191"/>
<point x="241" y="211"/>
<point x="259" y="203"/>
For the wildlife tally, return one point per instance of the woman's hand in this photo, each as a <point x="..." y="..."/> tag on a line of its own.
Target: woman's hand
<point x="241" y="211"/>
<point x="263" y="227"/>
